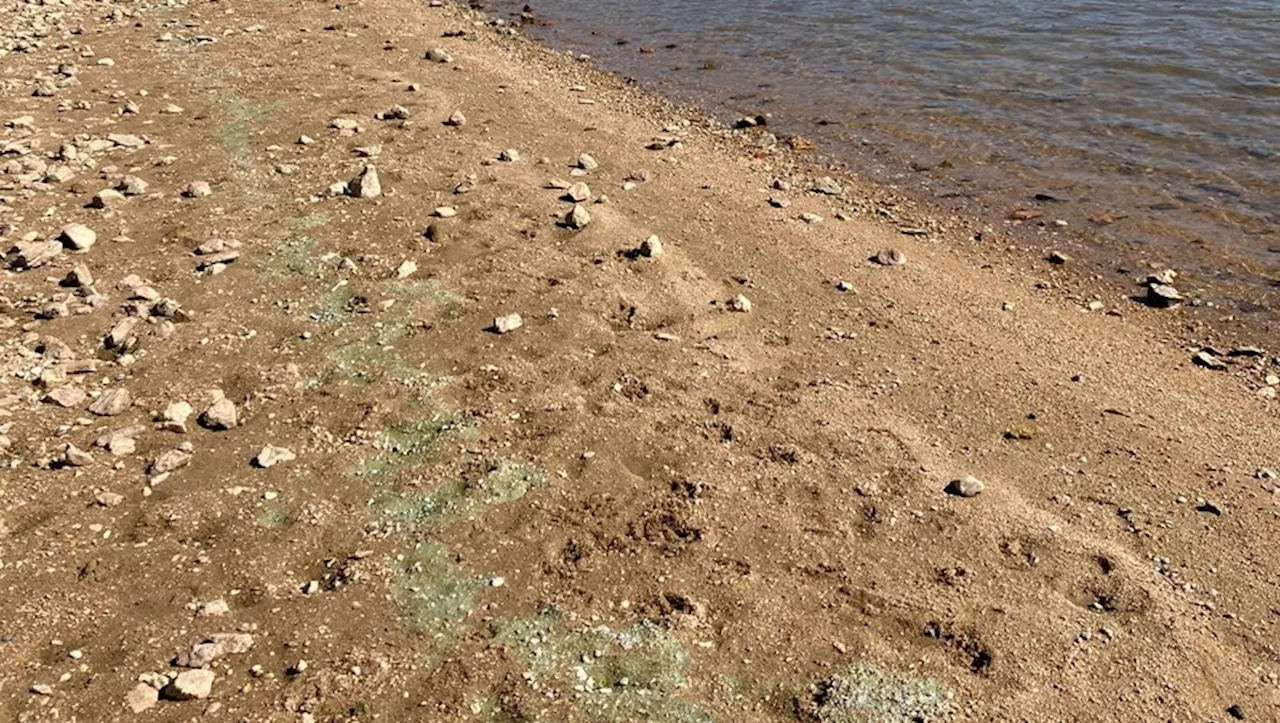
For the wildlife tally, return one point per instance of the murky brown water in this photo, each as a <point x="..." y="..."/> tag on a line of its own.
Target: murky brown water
<point x="1154" y="124"/>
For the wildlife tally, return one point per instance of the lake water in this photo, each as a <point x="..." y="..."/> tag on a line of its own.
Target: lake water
<point x="1156" y="123"/>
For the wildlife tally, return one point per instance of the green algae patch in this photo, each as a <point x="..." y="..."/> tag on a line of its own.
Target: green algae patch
<point x="867" y="694"/>
<point x="434" y="589"/>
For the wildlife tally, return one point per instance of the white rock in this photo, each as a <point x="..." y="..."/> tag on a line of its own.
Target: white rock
<point x="967" y="486"/>
<point x="197" y="189"/>
<point x="190" y="685"/>
<point x="508" y="323"/>
<point x="112" y="402"/>
<point x="406" y="269"/>
<point x="142" y="697"/>
<point x="578" y="218"/>
<point x="271" y="456"/>
<point x="365" y="184"/>
<point x="651" y="247"/>
<point x="78" y="237"/>
<point x="740" y="303"/>
<point x="221" y="415"/>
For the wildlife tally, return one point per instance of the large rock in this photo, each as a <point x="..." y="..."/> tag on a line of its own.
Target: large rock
<point x="366" y="184"/>
<point x="220" y="416"/>
<point x="112" y="402"/>
<point x="78" y="237"/>
<point x="141" y="698"/>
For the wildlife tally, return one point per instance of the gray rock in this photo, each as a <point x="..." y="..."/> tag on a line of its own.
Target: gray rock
<point x="190" y="685"/>
<point x="77" y="237"/>
<point x="365" y="184"/>
<point x="967" y="486"/>
<point x="112" y="402"/>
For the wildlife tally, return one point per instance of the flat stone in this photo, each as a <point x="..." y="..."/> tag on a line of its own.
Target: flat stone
<point x="190" y="685"/>
<point x="169" y="461"/>
<point x="33" y="254"/>
<point x="365" y="184"/>
<point x="827" y="186"/>
<point x="109" y="499"/>
<point x="1208" y="361"/>
<point x="66" y="397"/>
<point x="1163" y="295"/>
<point x="112" y="402"/>
<point x="77" y="237"/>
<point x="106" y="198"/>
<point x="272" y="455"/>
<point x="444" y="212"/>
<point x="125" y="140"/>
<point x="119" y="442"/>
<point x="220" y="416"/>
<point x="967" y="486"/>
<point x="142" y="697"/>
<point x="121" y="332"/>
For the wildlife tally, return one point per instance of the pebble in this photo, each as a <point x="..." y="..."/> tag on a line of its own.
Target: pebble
<point x="305" y="140"/>
<point x="439" y="55"/>
<point x="108" y="499"/>
<point x="890" y="257"/>
<point x="395" y="112"/>
<point x="197" y="189"/>
<point x="1058" y="258"/>
<point x="78" y="237"/>
<point x="272" y="455"/>
<point x="445" y="212"/>
<point x="456" y="119"/>
<point x="967" y="486"/>
<point x="508" y="323"/>
<point x="577" y="218"/>
<point x="844" y="286"/>
<point x="587" y="162"/>
<point x="112" y="402"/>
<point x="121" y="332"/>
<point x="174" y="417"/>
<point x="33" y="254"/>
<point x="169" y="461"/>
<point x="78" y="277"/>
<point x="220" y="416"/>
<point x="132" y="186"/>
<point x="406" y="269"/>
<point x="212" y="609"/>
<point x="510" y="155"/>
<point x="190" y="685"/>
<point x="365" y="184"/>
<point x="739" y="303"/>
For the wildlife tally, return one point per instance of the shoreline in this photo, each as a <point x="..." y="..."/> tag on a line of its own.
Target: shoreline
<point x="1233" y="291"/>
<point x="441" y="448"/>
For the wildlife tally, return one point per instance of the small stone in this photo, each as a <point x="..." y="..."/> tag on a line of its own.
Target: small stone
<point x="33" y="254"/>
<point x="967" y="486"/>
<point x="78" y="237"/>
<point x="1058" y="258"/>
<point x="779" y="202"/>
<point x="395" y="112"/>
<point x="365" y="184"/>
<point x="827" y="186"/>
<point x="739" y="303"/>
<point x="508" y="323"/>
<point x="66" y="397"/>
<point x="587" y="163"/>
<point x="42" y="689"/>
<point x="890" y="257"/>
<point x="810" y="218"/>
<point x="78" y="277"/>
<point x="76" y="457"/>
<point x="190" y="685"/>
<point x="220" y="416"/>
<point x="197" y="189"/>
<point x="406" y="269"/>
<point x="456" y="119"/>
<point x="121" y="332"/>
<point x="1208" y="361"/>
<point x="844" y="286"/>
<point x="142" y="697"/>
<point x="169" y="461"/>
<point x="445" y="212"/>
<point x="578" y="218"/>
<point x="271" y="456"/>
<point x="174" y="417"/>
<point x="578" y="192"/>
<point x="509" y="155"/>
<point x="305" y="140"/>
<point x="112" y="402"/>
<point x="439" y="55"/>
<point x="106" y="198"/>
<point x="651" y="247"/>
<point x="1163" y="296"/>
<point x="109" y="499"/>
<point x="212" y="609"/>
<point x="132" y="186"/>
<point x="346" y="125"/>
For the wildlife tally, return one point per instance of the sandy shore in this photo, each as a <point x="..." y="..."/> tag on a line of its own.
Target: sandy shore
<point x="282" y="450"/>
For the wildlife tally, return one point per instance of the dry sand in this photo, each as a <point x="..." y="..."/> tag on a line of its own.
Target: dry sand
<point x="645" y="499"/>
